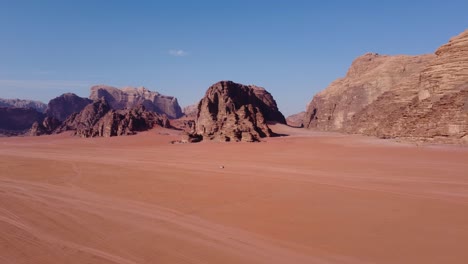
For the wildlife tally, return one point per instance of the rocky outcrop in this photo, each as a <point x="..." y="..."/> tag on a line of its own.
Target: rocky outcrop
<point x="47" y="126"/>
<point x="16" y="121"/>
<point x="296" y="120"/>
<point x="430" y="104"/>
<point x="267" y="105"/>
<point x="234" y="112"/>
<point x="130" y="97"/>
<point x="369" y="76"/>
<point x="66" y="104"/>
<point x="100" y="120"/>
<point x="20" y="103"/>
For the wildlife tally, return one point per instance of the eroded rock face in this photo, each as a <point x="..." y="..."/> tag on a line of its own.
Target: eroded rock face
<point x="430" y="104"/>
<point x="66" y="104"/>
<point x="130" y="97"/>
<point x="99" y="120"/>
<point x="20" y="103"/>
<point x="368" y="77"/>
<point x="235" y="112"/>
<point x="16" y="121"/>
<point x="46" y="127"/>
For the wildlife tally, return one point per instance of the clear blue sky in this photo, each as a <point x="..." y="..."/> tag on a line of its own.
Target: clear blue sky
<point x="292" y="48"/>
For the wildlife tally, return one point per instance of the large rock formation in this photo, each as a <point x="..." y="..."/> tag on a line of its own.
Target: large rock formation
<point x="296" y="120"/>
<point x="16" y="121"/>
<point x="235" y="112"/>
<point x="131" y="97"/>
<point x="100" y="120"/>
<point x="428" y="104"/>
<point x="368" y="77"/>
<point x="66" y="104"/>
<point x="47" y="126"/>
<point x="20" y="103"/>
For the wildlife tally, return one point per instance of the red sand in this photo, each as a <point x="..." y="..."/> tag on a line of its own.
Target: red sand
<point x="308" y="198"/>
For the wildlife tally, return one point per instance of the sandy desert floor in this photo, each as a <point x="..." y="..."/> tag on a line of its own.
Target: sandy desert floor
<point x="307" y="198"/>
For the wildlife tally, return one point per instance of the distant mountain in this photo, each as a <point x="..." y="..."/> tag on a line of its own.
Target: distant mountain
<point x="66" y="104"/>
<point x="411" y="97"/>
<point x="20" y="103"/>
<point x="191" y="110"/>
<point x="16" y="121"/>
<point x="296" y="119"/>
<point x="131" y="97"/>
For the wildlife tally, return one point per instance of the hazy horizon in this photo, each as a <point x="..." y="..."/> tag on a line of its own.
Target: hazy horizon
<point x="180" y="48"/>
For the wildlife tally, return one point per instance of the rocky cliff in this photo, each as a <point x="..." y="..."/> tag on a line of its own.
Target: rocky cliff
<point x="426" y="101"/>
<point x="20" y="103"/>
<point x="368" y="77"/>
<point x="234" y="112"/>
<point x="130" y="97"/>
<point x="47" y="126"/>
<point x="16" y="121"/>
<point x="100" y="120"/>
<point x="66" y="104"/>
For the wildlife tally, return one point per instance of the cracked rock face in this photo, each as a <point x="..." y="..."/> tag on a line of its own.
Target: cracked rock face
<point x="235" y="112"/>
<point x="422" y="98"/>
<point x="130" y="97"/>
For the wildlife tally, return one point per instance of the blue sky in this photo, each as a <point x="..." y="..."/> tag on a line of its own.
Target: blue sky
<point x="292" y="48"/>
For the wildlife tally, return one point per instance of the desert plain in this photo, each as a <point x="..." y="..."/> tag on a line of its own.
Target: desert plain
<point x="304" y="198"/>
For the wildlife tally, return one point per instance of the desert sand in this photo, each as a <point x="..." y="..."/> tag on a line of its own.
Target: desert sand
<point x="306" y="198"/>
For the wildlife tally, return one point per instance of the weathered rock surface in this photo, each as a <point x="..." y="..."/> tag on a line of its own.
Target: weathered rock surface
<point x="20" y="103"/>
<point x="66" y="104"/>
<point x="430" y="104"/>
<point x="368" y="77"/>
<point x="190" y="111"/>
<point x="234" y="112"/>
<point x="130" y="97"/>
<point x="100" y="120"/>
<point x="16" y="121"/>
<point x="47" y="126"/>
<point x="296" y="120"/>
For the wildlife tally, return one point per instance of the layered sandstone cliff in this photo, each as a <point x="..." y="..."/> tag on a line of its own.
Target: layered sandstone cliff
<point x="423" y="97"/>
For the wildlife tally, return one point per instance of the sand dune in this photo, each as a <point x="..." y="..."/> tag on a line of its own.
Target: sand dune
<point x="307" y="198"/>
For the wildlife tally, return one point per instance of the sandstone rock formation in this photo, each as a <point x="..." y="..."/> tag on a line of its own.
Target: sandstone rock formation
<point x="99" y="120"/>
<point x="66" y="104"/>
<point x="368" y="77"/>
<point x="190" y="111"/>
<point x="19" y="103"/>
<point x="131" y="97"/>
<point x="235" y="112"/>
<point x="296" y="120"/>
<point x="16" y="121"/>
<point x="47" y="126"/>
<point x="428" y="101"/>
